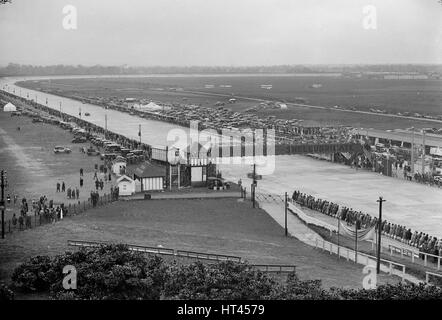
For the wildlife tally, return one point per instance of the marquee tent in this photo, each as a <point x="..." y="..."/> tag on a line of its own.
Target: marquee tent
<point x="9" y="107"/>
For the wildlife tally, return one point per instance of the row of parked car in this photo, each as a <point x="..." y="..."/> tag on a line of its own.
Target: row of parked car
<point x="112" y="150"/>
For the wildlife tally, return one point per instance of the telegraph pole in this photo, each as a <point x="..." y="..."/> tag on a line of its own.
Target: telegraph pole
<point x="412" y="153"/>
<point x="139" y="132"/>
<point x="2" y="202"/>
<point x="285" y="211"/>
<point x="378" y="264"/>
<point x="423" y="152"/>
<point x="105" y="126"/>
<point x="254" y="184"/>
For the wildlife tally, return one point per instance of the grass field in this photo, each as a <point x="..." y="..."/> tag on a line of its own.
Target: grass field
<point x="422" y="96"/>
<point x="220" y="226"/>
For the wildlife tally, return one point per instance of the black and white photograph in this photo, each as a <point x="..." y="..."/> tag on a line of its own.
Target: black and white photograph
<point x="220" y="156"/>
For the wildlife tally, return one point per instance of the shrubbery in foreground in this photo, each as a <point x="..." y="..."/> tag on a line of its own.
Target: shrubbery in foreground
<point x="115" y="272"/>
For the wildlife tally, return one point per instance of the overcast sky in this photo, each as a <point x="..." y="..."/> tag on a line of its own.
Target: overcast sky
<point x="220" y="32"/>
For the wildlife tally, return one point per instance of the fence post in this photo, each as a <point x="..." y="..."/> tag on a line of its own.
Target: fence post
<point x="425" y="259"/>
<point x="412" y="256"/>
<point x="391" y="268"/>
<point x="427" y="276"/>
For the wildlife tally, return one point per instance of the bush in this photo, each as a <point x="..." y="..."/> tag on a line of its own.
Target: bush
<point x="6" y="294"/>
<point x="115" y="272"/>
<point x="225" y="280"/>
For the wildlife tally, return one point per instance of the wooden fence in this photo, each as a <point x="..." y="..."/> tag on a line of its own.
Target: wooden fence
<point x="188" y="254"/>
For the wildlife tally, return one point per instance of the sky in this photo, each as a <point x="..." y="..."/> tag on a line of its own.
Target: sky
<point x="221" y="32"/>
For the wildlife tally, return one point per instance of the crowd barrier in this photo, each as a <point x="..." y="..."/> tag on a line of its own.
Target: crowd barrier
<point x="267" y="268"/>
<point x="415" y="256"/>
<point x="428" y="274"/>
<point x="402" y="251"/>
<point x="360" y="257"/>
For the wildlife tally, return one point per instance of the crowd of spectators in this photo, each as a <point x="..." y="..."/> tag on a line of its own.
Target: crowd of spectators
<point x="44" y="209"/>
<point x="422" y="241"/>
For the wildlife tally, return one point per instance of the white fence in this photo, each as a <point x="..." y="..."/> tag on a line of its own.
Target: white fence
<point x="427" y="276"/>
<point x="361" y="258"/>
<point x="402" y="251"/>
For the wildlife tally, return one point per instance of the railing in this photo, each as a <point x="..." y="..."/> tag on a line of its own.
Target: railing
<point x="404" y="252"/>
<point x="161" y="251"/>
<point x="206" y="256"/>
<point x="268" y="268"/>
<point x="427" y="276"/>
<point x="137" y="248"/>
<point x="358" y="257"/>
<point x="413" y="255"/>
<point x="275" y="268"/>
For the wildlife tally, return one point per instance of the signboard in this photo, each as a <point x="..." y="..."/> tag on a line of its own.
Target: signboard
<point x="436" y="151"/>
<point x="257" y="177"/>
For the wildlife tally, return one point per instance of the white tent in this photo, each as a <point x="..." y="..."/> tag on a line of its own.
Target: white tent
<point x="9" y="107"/>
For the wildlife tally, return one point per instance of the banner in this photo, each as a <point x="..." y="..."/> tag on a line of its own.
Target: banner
<point x="363" y="234"/>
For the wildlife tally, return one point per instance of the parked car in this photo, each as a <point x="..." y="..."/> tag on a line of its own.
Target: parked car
<point x="87" y="114"/>
<point x="61" y="149"/>
<point x="79" y="140"/>
<point x="92" y="152"/>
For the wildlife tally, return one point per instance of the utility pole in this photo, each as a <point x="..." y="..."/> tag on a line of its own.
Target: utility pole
<point x="423" y="151"/>
<point x="285" y="212"/>
<point x="61" y="115"/>
<point x="356" y="241"/>
<point x="105" y="126"/>
<point x="139" y="132"/>
<point x="378" y="263"/>
<point x="2" y="202"/>
<point x="412" y="153"/>
<point x="254" y="184"/>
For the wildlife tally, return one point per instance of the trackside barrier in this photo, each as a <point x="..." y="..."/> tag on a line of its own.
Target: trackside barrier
<point x="427" y="276"/>
<point x="275" y="268"/>
<point x="349" y="254"/>
<point x="405" y="253"/>
<point x="268" y="268"/>
<point x="163" y="251"/>
<point x="206" y="256"/>
<point x="362" y="258"/>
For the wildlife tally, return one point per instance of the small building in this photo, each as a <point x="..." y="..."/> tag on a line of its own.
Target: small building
<point x="119" y="167"/>
<point x="9" y="107"/>
<point x="152" y="177"/>
<point x="126" y="186"/>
